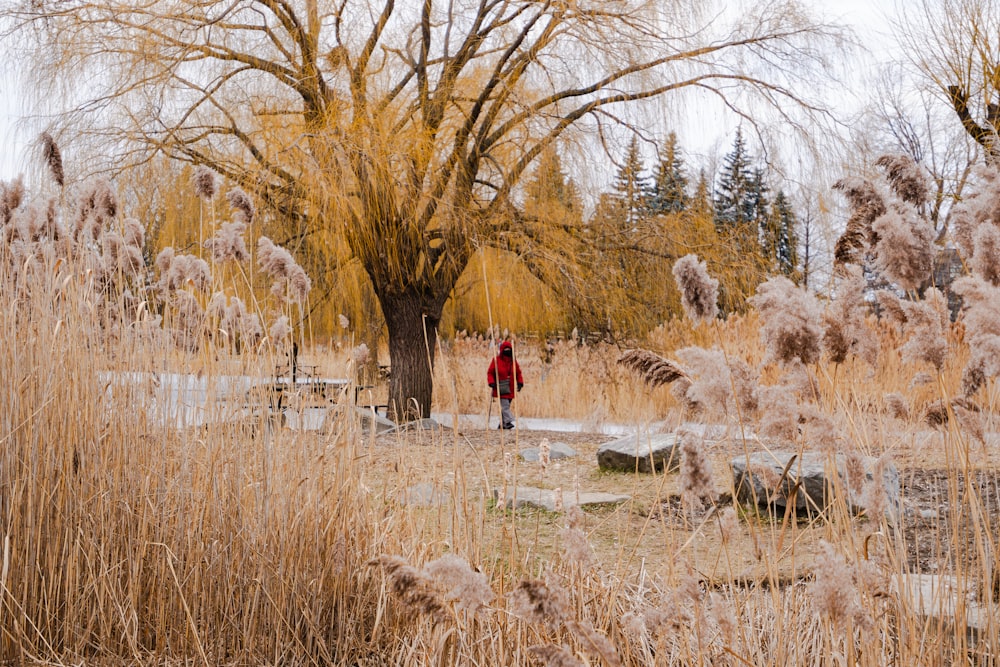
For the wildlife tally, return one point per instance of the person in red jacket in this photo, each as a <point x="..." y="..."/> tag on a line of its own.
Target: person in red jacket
<point x="503" y="376"/>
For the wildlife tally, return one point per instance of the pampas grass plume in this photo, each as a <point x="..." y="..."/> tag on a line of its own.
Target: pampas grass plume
<point x="470" y="590"/>
<point x="242" y="205"/>
<point x="986" y="253"/>
<point x="696" y="485"/>
<point x="833" y="590"/>
<point x="228" y="244"/>
<point x="653" y="368"/>
<point x="790" y="321"/>
<point x="538" y="601"/>
<point x="906" y="178"/>
<point x="53" y="158"/>
<point x="290" y="281"/>
<point x="699" y="291"/>
<point x="905" y="248"/>
<point x="575" y="546"/>
<point x="555" y="656"/>
<point x="11" y="196"/>
<point x="205" y="182"/>
<point x="411" y="586"/>
<point x="280" y="330"/>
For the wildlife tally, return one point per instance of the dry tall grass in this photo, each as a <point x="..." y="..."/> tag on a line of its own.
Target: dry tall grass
<point x="127" y="540"/>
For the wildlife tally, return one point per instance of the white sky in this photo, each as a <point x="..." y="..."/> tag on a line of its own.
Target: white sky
<point x="866" y="17"/>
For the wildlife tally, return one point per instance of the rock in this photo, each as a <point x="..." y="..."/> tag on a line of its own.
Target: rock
<point x="426" y="424"/>
<point x="936" y="597"/>
<point x="645" y="452"/>
<point x="757" y="479"/>
<point x="530" y="496"/>
<point x="557" y="450"/>
<point x="423" y="495"/>
<point x="369" y="419"/>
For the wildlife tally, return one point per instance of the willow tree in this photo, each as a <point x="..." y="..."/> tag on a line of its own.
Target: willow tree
<point x="955" y="44"/>
<point x="404" y="126"/>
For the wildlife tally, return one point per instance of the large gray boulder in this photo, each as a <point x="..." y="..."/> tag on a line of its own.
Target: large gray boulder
<point x="646" y="452"/>
<point x="760" y="479"/>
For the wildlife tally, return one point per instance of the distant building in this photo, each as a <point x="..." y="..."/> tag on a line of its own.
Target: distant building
<point x="948" y="265"/>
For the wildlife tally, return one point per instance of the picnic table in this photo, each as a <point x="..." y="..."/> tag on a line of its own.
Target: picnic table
<point x="312" y="390"/>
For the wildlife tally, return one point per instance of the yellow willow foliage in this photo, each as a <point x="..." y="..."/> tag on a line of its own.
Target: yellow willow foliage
<point x="517" y="300"/>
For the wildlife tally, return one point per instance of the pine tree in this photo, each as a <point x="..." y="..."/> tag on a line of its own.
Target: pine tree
<point x="631" y="188"/>
<point x="779" y="238"/>
<point x="701" y="202"/>
<point x="733" y="192"/>
<point x="550" y="188"/>
<point x="669" y="190"/>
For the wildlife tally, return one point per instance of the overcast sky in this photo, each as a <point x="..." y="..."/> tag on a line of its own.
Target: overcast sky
<point x="867" y="17"/>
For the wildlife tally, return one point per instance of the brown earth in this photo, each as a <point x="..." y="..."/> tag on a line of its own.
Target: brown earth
<point x="654" y="533"/>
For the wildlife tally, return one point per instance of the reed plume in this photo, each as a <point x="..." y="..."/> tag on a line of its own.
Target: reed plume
<point x="539" y="601"/>
<point x="904" y="251"/>
<point x="468" y="589"/>
<point x="291" y="283"/>
<point x="228" y="244"/>
<point x="696" y="485"/>
<point x="205" y="182"/>
<point x="699" y="291"/>
<point x="986" y="253"/>
<point x="576" y="547"/>
<point x="845" y="329"/>
<point x="280" y="330"/>
<point x="555" y="656"/>
<point x="866" y="206"/>
<point x="242" y="205"/>
<point x="53" y="159"/>
<point x="653" y="368"/>
<point x="11" y="196"/>
<point x="834" y="590"/>
<point x="790" y="321"/>
<point x="926" y="327"/>
<point x="412" y="588"/>
<point x="905" y="177"/>
<point x="981" y="315"/>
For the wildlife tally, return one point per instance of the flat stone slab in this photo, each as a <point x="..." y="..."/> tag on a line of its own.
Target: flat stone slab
<point x="530" y="496"/>
<point x="758" y="479"/>
<point x="425" y="424"/>
<point x="368" y="418"/>
<point x="423" y="495"/>
<point x="647" y="452"/>
<point x="557" y="450"/>
<point x="937" y="597"/>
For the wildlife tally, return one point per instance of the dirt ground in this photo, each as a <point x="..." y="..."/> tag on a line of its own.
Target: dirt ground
<point x="653" y="533"/>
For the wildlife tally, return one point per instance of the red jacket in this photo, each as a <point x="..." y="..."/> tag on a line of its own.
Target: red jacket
<point x="504" y="367"/>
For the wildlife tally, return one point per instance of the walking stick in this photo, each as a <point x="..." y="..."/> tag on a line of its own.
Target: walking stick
<point x="489" y="413"/>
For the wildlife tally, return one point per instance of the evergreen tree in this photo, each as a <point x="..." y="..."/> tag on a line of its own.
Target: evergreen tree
<point x="631" y="188"/>
<point x="733" y="194"/>
<point x="550" y="188"/>
<point x="758" y="205"/>
<point x="701" y="202"/>
<point x="779" y="238"/>
<point x="669" y="190"/>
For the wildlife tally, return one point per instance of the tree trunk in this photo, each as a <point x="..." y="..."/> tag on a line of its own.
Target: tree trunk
<point x="412" y="324"/>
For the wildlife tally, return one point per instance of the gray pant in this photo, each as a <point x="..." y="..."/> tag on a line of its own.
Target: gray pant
<point x="506" y="416"/>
